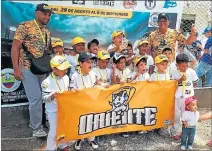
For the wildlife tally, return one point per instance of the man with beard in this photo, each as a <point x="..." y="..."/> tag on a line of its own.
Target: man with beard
<point x="36" y="38"/>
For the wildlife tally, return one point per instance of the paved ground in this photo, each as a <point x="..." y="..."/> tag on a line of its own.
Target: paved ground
<point x="18" y="138"/>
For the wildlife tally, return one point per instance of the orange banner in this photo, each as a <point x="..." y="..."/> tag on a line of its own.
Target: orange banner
<point x="130" y="107"/>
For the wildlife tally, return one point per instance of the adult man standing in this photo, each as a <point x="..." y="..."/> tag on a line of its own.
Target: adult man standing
<point x="205" y="65"/>
<point x="166" y="37"/>
<point x="204" y="37"/>
<point x="36" y="38"/>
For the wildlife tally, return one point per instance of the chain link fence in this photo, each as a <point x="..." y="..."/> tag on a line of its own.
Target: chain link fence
<point x="198" y="13"/>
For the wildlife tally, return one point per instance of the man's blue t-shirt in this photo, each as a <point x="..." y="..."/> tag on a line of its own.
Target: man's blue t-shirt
<point x="207" y="57"/>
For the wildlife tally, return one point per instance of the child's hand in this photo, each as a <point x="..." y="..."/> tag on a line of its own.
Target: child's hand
<point x="133" y="81"/>
<point x="137" y="74"/>
<point x="186" y="124"/>
<point x="183" y="78"/>
<point x="122" y="82"/>
<point x="114" y="66"/>
<point x="53" y="96"/>
<point x="149" y="80"/>
<point x="75" y="90"/>
<point x="107" y="86"/>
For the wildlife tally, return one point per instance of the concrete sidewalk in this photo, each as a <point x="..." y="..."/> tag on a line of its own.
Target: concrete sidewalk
<point x="18" y="137"/>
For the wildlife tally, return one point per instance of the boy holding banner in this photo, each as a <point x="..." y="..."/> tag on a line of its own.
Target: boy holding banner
<point x="120" y="74"/>
<point x="187" y="79"/>
<point x="82" y="79"/>
<point x="141" y="74"/>
<point x="161" y="62"/>
<point x="56" y="82"/>
<point x="102" y="72"/>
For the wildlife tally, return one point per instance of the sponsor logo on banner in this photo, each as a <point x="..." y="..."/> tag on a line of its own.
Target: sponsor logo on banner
<point x="153" y="20"/>
<point x="169" y="3"/>
<point x="80" y="2"/>
<point x="150" y="4"/>
<point x="8" y="81"/>
<point x="120" y="114"/>
<point x="104" y="2"/>
<point x="129" y="4"/>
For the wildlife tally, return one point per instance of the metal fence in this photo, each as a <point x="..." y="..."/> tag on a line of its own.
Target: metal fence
<point x="198" y="13"/>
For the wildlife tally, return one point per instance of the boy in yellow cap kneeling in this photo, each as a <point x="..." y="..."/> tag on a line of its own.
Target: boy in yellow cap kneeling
<point x="56" y="82"/>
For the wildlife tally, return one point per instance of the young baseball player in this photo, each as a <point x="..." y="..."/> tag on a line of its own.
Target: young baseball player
<point x="140" y="74"/>
<point x="82" y="79"/>
<point x="187" y="79"/>
<point x="120" y="74"/>
<point x="56" y="82"/>
<point x="161" y="62"/>
<point x="102" y="72"/>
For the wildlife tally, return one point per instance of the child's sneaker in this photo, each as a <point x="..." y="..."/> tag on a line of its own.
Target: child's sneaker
<point x="39" y="133"/>
<point x="94" y="144"/>
<point x="64" y="149"/>
<point x="77" y="145"/>
<point x="190" y="147"/>
<point x="142" y="132"/>
<point x="100" y="140"/>
<point x="182" y="148"/>
<point x="125" y="135"/>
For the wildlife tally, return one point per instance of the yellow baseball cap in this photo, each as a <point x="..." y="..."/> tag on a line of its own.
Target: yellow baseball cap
<point x="117" y="33"/>
<point x="141" y="42"/>
<point x="56" y="42"/>
<point x="102" y="54"/>
<point x="77" y="40"/>
<point x="138" y="59"/>
<point x="160" y="58"/>
<point x="60" y="62"/>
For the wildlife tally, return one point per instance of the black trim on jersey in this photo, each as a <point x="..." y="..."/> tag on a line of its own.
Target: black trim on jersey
<point x="187" y="84"/>
<point x="195" y="81"/>
<point x="46" y="92"/>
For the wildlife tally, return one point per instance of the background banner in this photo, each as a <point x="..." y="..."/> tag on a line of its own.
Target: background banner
<point x="87" y="19"/>
<point x="131" y="107"/>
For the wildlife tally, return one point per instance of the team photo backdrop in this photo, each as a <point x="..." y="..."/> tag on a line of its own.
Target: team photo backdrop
<point x="87" y="19"/>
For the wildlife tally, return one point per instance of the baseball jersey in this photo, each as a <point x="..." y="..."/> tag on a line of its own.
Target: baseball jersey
<point x="50" y="86"/>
